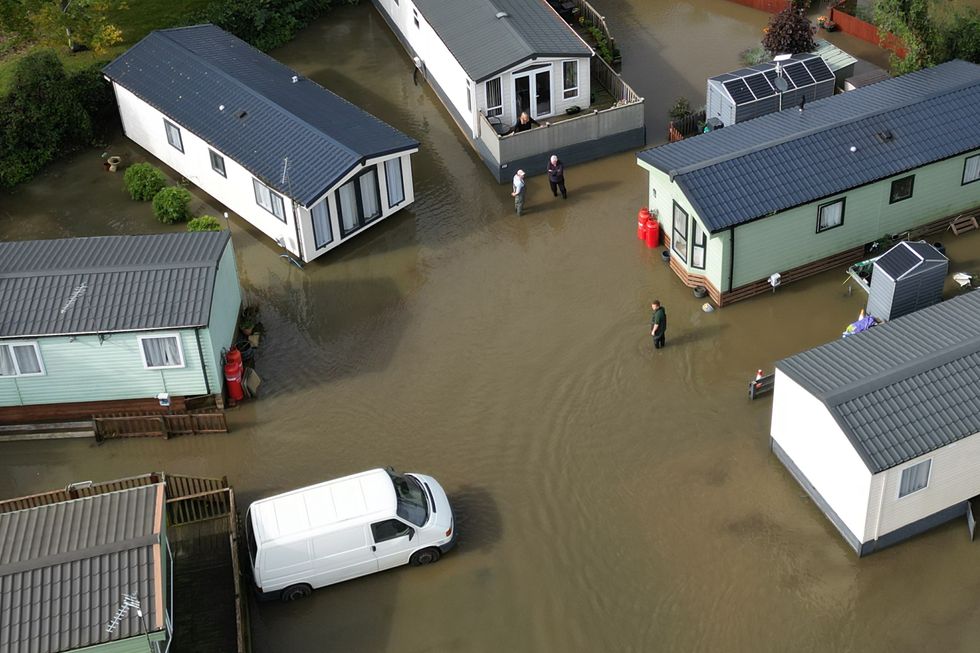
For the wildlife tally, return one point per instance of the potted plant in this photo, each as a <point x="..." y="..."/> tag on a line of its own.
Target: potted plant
<point x="821" y="21"/>
<point x="249" y="320"/>
<point x="830" y="26"/>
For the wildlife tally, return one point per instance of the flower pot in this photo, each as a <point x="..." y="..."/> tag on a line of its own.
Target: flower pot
<point x="113" y="162"/>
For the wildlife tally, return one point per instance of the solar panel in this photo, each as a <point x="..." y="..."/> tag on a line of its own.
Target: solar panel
<point x="739" y="91"/>
<point x="819" y="69"/>
<point x="771" y="75"/>
<point x="798" y="73"/>
<point x="760" y="86"/>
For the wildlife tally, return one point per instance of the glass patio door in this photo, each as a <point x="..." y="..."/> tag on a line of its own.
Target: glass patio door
<point x="532" y="92"/>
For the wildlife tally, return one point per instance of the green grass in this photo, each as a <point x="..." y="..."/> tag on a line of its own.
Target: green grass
<point x="135" y="23"/>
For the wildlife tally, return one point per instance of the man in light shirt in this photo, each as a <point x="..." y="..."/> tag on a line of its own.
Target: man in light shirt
<point x="518" y="194"/>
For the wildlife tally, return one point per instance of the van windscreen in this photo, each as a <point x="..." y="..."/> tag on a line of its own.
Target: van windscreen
<point x="412" y="506"/>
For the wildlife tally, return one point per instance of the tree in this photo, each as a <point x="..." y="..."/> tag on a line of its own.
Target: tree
<point x="789" y="31"/>
<point x="932" y="32"/>
<point x="75" y="23"/>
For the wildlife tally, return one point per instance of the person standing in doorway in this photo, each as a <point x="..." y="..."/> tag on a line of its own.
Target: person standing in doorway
<point x="658" y="324"/>
<point x="556" y="176"/>
<point x="518" y="193"/>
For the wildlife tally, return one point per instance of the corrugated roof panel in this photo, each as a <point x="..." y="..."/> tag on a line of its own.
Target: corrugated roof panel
<point x="765" y="158"/>
<point x="189" y="73"/>
<point x="108" y="283"/>
<point x="904" y="388"/>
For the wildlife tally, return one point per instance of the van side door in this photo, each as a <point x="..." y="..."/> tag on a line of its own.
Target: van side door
<point x="342" y="555"/>
<point x="393" y="542"/>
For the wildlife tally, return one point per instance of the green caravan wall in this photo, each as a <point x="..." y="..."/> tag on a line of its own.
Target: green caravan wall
<point x="789" y="239"/>
<point x="662" y="195"/>
<point x="84" y="369"/>
<point x="225" y="306"/>
<point x="130" y="645"/>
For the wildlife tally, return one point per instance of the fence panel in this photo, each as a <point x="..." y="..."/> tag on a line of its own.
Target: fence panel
<point x="589" y="13"/>
<point x="866" y="32"/>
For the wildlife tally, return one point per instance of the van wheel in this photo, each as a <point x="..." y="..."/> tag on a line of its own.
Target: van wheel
<point x="425" y="557"/>
<point x="296" y="592"/>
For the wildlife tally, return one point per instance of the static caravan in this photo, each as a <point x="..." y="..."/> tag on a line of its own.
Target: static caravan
<point x="300" y="164"/>
<point x="882" y="429"/>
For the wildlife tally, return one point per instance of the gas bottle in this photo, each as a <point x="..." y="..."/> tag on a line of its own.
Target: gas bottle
<point x="653" y="233"/>
<point x="642" y="221"/>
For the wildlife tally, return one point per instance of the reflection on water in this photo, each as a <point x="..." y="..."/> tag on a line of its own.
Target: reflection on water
<point x="609" y="497"/>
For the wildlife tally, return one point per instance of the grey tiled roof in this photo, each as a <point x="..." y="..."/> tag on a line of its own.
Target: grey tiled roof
<point x="189" y="72"/>
<point x="485" y="45"/>
<point x="108" y="284"/>
<point x="781" y="160"/>
<point x="904" y="388"/>
<point x="907" y="256"/>
<point x="64" y="568"/>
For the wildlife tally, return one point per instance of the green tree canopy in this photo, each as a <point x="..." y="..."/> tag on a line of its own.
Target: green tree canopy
<point x="933" y="31"/>
<point x="70" y="23"/>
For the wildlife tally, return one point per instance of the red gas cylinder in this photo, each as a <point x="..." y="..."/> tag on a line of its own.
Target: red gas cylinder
<point x="653" y="233"/>
<point x="642" y="219"/>
<point x="233" y="355"/>
<point x="233" y="375"/>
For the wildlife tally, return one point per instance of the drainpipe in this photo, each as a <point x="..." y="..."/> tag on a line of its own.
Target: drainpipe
<point x="200" y="356"/>
<point x="881" y="504"/>
<point x="731" y="259"/>
<point x="299" y="238"/>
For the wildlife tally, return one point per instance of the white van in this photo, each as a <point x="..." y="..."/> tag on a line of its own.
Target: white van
<point x="342" y="529"/>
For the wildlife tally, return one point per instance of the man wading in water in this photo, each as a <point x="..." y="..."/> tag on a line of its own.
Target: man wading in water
<point x="658" y="324"/>
<point x="518" y="194"/>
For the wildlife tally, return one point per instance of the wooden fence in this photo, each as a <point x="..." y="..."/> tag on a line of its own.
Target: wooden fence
<point x="866" y="32"/>
<point x="690" y="125"/>
<point x="160" y="425"/>
<point x="772" y="6"/>
<point x="589" y="13"/>
<point x="78" y="490"/>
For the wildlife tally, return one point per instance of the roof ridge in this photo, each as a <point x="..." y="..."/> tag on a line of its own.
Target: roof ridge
<point x="256" y="93"/>
<point x="821" y="128"/>
<point x="146" y="267"/>
<point x="912" y="367"/>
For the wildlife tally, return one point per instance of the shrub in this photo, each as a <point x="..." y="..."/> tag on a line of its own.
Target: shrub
<point x="266" y="24"/>
<point x="170" y="204"/>
<point x="681" y="109"/>
<point x="789" y="31"/>
<point x="144" y="181"/>
<point x="754" y="56"/>
<point x="205" y="223"/>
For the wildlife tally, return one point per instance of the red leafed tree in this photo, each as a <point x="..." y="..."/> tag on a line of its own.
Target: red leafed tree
<point x="789" y="31"/>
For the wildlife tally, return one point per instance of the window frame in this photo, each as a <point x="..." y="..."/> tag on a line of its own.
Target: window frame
<point x="469" y="97"/>
<point x="220" y="169"/>
<point x="326" y="207"/>
<point x="966" y="162"/>
<point x="695" y="246"/>
<point x="843" y="203"/>
<point x="891" y="192"/>
<point x="401" y="178"/>
<point x="565" y="89"/>
<point x="415" y="17"/>
<point x="361" y="220"/>
<point x="167" y="125"/>
<point x="10" y="344"/>
<point x="927" y="461"/>
<point x="256" y="185"/>
<point x="180" y="352"/>
<point x="674" y="231"/>
<point x="497" y="109"/>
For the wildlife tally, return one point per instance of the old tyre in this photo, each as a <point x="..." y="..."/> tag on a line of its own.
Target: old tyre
<point x="425" y="557"/>
<point x="296" y="592"/>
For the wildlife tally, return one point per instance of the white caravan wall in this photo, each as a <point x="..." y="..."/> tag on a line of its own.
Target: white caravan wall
<point x="805" y="430"/>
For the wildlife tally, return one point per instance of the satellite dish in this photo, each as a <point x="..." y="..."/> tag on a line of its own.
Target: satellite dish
<point x="780" y="84"/>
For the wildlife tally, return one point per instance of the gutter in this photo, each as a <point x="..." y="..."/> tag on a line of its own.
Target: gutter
<point x="731" y="260"/>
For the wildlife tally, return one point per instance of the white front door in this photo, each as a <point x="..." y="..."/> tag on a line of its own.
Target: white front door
<point x="532" y="91"/>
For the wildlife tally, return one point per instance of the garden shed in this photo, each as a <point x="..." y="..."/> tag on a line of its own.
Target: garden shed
<point x="840" y="63"/>
<point x="755" y="91"/>
<point x="906" y="278"/>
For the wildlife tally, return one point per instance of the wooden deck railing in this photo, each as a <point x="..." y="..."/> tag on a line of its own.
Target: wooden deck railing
<point x="589" y="13"/>
<point x="613" y="82"/>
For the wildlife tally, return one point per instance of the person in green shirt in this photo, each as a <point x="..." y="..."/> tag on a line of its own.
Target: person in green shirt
<point x="658" y="324"/>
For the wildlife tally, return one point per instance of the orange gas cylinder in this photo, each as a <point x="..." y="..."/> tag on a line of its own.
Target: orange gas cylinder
<point x="642" y="220"/>
<point x="653" y="233"/>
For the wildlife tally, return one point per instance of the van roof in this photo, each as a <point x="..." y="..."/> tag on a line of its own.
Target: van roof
<point x="342" y="502"/>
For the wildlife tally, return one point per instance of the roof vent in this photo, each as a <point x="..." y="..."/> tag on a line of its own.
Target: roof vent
<point x="295" y="78"/>
<point x="884" y="136"/>
<point x="502" y="14"/>
<point x="242" y="114"/>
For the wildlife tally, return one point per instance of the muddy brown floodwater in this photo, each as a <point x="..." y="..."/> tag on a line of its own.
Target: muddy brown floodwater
<point x="609" y="497"/>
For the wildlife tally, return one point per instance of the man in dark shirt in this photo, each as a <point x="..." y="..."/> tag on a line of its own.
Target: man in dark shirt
<point x="658" y="324"/>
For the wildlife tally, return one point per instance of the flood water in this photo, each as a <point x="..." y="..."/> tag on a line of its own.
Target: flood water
<point x="608" y="497"/>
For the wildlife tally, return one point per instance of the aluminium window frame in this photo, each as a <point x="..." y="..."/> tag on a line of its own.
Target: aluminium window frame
<point x="674" y="231"/>
<point x="577" y="88"/>
<point x="37" y="355"/>
<point x="966" y="161"/>
<point x="843" y="205"/>
<point x="891" y="191"/>
<point x="362" y="222"/>
<point x="256" y="186"/>
<point x="180" y="138"/>
<point x="898" y="490"/>
<point x="180" y="351"/>
<point x="220" y="169"/>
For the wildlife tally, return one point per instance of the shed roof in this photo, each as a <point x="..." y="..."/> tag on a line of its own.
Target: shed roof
<point x="108" y="283"/>
<point x="485" y="45"/>
<point x="64" y="569"/>
<point x="836" y="58"/>
<point x="190" y="73"/>
<point x="781" y="160"/>
<point x="902" y="389"/>
<point x="906" y="257"/>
